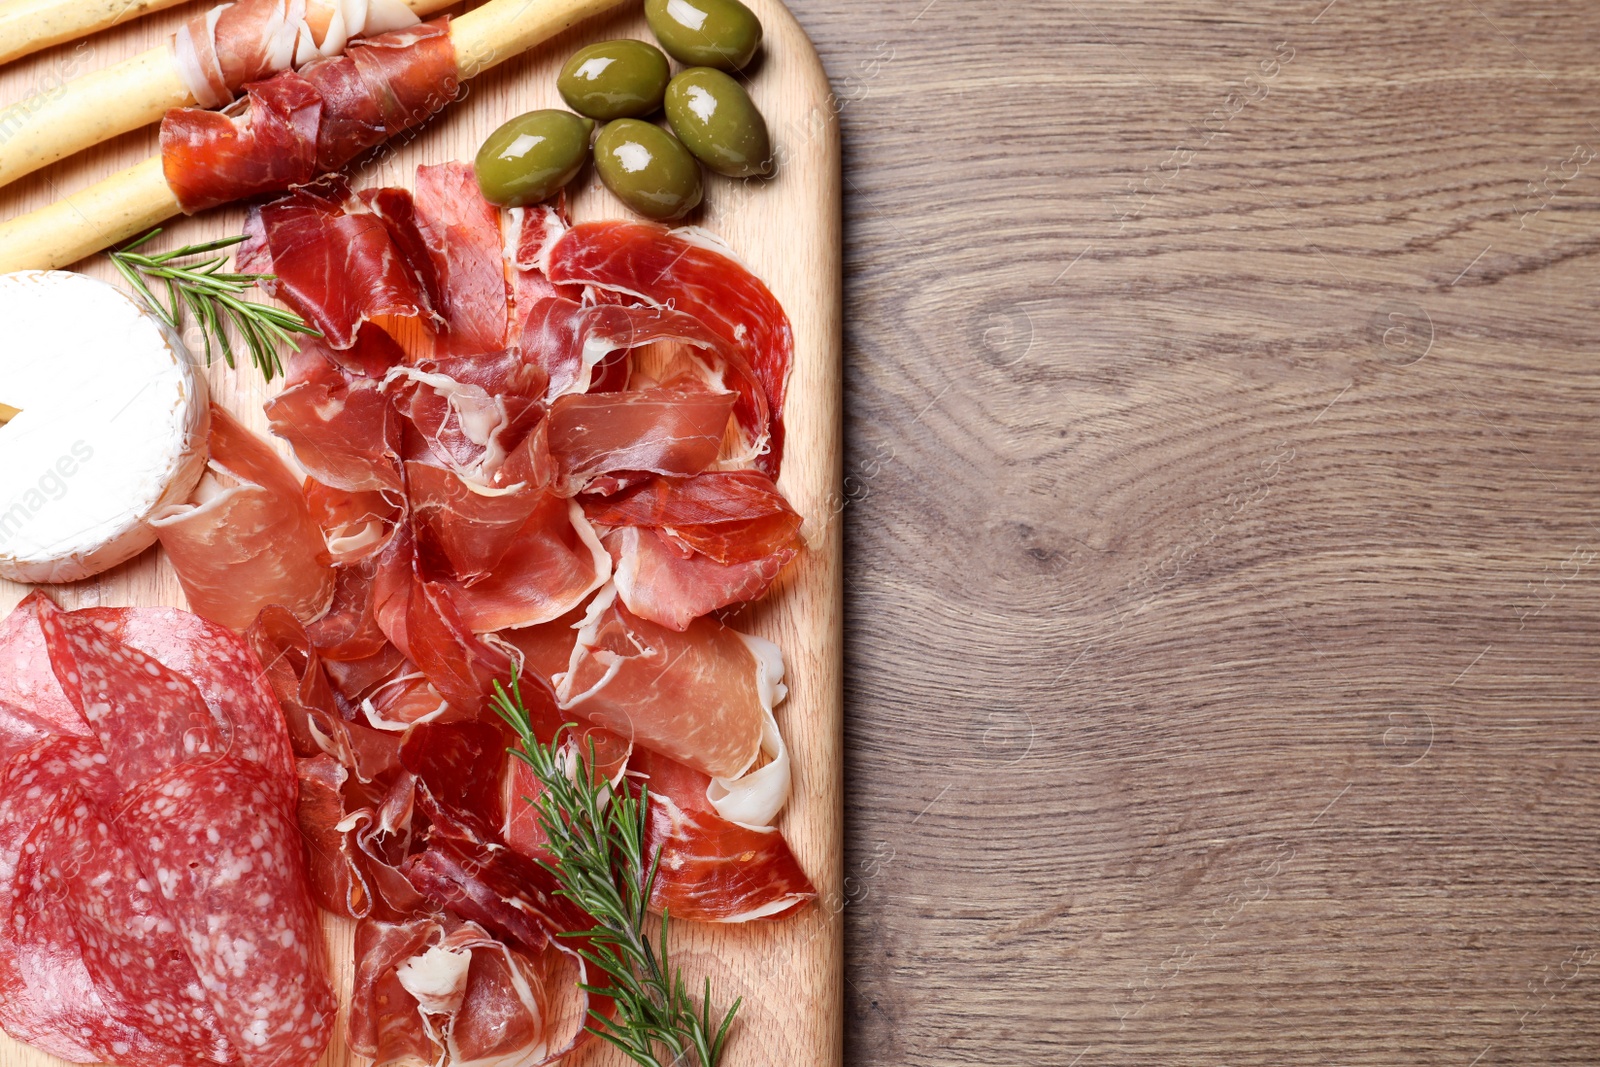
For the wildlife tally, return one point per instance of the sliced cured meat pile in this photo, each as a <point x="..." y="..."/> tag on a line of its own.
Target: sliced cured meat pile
<point x="154" y="902"/>
<point x="528" y="447"/>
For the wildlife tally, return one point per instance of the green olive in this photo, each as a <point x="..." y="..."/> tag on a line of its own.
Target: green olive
<point x="705" y="33"/>
<point x="648" y="169"/>
<point x="615" y="80"/>
<point x="532" y="156"/>
<point x="716" y="120"/>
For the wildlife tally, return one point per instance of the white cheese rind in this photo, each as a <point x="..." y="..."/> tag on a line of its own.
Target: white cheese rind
<point x="112" y="427"/>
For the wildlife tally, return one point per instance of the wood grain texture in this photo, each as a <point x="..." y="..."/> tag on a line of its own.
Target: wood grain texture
<point x="788" y="232"/>
<point x="1222" y="606"/>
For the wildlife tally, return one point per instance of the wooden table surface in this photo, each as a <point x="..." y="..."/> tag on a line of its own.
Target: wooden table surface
<point x="1223" y="530"/>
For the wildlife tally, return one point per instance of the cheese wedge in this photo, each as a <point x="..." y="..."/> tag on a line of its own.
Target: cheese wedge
<point x="109" y="422"/>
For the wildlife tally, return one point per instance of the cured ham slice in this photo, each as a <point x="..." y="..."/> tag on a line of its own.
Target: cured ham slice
<point x="297" y="125"/>
<point x="424" y="621"/>
<point x="656" y="582"/>
<point x="551" y="560"/>
<point x="310" y="708"/>
<point x="349" y="632"/>
<point x="218" y="51"/>
<point x="446" y="991"/>
<point x="726" y="516"/>
<point x="335" y="263"/>
<point x="713" y="870"/>
<point x="688" y="546"/>
<point x="454" y="424"/>
<point x="461" y="236"/>
<point x="572" y="340"/>
<point x="355" y="526"/>
<point x="671" y="429"/>
<point x="685" y="271"/>
<point x="701" y="696"/>
<point x="338" y="882"/>
<point x="605" y="752"/>
<point x="249" y="543"/>
<point x="345" y="435"/>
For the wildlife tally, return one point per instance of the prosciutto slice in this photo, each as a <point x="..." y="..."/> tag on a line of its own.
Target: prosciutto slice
<point x="701" y="696"/>
<point x="297" y="125"/>
<point x="688" y="546"/>
<point x="219" y="50"/>
<point x="670" y="429"/>
<point x="657" y="581"/>
<point x="333" y="261"/>
<point x="684" y="270"/>
<point x="443" y="990"/>
<point x="712" y="869"/>
<point x="516" y="557"/>
<point x="461" y="238"/>
<point x="250" y="540"/>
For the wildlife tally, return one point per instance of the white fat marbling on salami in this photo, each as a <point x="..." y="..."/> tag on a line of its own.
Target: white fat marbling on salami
<point x="30" y="785"/>
<point x="225" y="670"/>
<point x="226" y="860"/>
<point x="129" y="946"/>
<point x="146" y="717"/>
<point x="61" y="1009"/>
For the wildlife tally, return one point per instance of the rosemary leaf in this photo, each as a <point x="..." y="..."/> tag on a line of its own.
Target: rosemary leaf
<point x="597" y="836"/>
<point x="211" y="296"/>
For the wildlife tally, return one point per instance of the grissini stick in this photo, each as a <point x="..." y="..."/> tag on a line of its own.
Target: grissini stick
<point x="28" y="26"/>
<point x="131" y="202"/>
<point x="46" y="127"/>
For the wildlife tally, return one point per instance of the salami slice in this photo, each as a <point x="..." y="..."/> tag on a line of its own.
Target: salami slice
<point x="227" y="862"/>
<point x="146" y="717"/>
<point x="30" y="786"/>
<point x="129" y="947"/>
<point x="26" y="680"/>
<point x="19" y="731"/>
<point x="54" y="1005"/>
<point x="222" y="666"/>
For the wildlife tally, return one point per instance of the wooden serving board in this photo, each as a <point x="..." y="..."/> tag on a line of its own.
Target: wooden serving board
<point x="788" y="231"/>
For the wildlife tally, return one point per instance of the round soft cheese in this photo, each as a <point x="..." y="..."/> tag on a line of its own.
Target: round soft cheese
<point x="105" y="422"/>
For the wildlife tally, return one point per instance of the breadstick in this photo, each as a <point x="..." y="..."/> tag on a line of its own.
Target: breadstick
<point x="92" y="109"/>
<point x="28" y="26"/>
<point x="131" y="202"/>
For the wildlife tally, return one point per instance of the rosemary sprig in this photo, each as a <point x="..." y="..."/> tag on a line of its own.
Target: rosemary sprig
<point x="212" y="295"/>
<point x="597" y="838"/>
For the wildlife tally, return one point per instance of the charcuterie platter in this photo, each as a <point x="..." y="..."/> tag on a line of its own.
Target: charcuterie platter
<point x="540" y="425"/>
